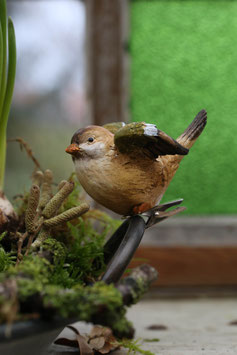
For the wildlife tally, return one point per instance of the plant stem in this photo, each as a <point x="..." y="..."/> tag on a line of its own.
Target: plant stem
<point x="1" y="60"/>
<point x="3" y="20"/>
<point x="7" y="94"/>
<point x="2" y="157"/>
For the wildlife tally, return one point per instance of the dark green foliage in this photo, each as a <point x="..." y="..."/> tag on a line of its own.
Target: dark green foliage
<point x="184" y="59"/>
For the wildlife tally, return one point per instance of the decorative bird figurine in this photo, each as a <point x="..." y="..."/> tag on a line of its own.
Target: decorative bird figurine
<point x="128" y="167"/>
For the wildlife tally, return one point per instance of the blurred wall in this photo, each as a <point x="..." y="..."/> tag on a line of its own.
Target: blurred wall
<point x="183" y="59"/>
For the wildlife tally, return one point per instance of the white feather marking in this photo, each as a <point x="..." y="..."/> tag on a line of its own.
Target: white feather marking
<point x="150" y="130"/>
<point x="93" y="150"/>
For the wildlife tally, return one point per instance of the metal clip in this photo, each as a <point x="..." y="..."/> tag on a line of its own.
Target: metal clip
<point x="158" y="213"/>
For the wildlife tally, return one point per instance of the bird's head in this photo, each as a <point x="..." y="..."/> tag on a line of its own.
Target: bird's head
<point x="90" y="142"/>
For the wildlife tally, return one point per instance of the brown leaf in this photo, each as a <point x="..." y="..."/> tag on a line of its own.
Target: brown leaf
<point x="111" y="344"/>
<point x="97" y="343"/>
<point x="98" y="331"/>
<point x="106" y="348"/>
<point x="71" y="336"/>
<point x="85" y="349"/>
<point x="107" y="332"/>
<point x="102" y="339"/>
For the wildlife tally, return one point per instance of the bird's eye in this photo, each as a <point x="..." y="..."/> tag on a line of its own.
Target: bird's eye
<point x="90" y="139"/>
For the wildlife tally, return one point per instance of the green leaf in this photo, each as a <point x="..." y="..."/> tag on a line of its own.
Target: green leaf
<point x="11" y="72"/>
<point x="133" y="347"/>
<point x="3" y="64"/>
<point x="1" y="59"/>
<point x="8" y="93"/>
<point x="2" y="235"/>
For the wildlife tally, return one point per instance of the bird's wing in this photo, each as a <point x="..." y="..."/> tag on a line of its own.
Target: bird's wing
<point x="143" y="136"/>
<point x="114" y="126"/>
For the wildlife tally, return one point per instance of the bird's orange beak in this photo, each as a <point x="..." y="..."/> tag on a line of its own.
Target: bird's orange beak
<point x="72" y="149"/>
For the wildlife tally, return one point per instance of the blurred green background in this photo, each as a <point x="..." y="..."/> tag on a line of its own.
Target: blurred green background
<point x="183" y="59"/>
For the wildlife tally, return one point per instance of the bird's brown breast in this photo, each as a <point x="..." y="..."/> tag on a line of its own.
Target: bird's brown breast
<point x="120" y="182"/>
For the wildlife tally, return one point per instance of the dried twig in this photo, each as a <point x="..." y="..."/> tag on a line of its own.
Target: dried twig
<point x="27" y="148"/>
<point x="21" y="238"/>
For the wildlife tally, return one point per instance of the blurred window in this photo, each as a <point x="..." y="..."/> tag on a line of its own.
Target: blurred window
<point x="49" y="99"/>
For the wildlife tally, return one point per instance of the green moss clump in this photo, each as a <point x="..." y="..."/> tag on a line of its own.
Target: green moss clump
<point x="31" y="275"/>
<point x="89" y="303"/>
<point x="80" y="300"/>
<point x="56" y="250"/>
<point x="5" y="260"/>
<point x="139" y="289"/>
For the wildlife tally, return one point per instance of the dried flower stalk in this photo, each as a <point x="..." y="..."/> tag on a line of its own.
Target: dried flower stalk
<point x="66" y="216"/>
<point x="56" y="201"/>
<point x="41" y="213"/>
<point x="31" y="210"/>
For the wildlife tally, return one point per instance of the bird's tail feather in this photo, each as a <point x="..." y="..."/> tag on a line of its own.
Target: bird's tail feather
<point x="187" y="139"/>
<point x="194" y="130"/>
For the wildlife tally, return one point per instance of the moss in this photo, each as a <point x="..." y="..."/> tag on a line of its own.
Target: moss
<point x="31" y="275"/>
<point x="140" y="289"/>
<point x="72" y="301"/>
<point x="121" y="326"/>
<point x="57" y="249"/>
<point x="87" y="303"/>
<point x="5" y="260"/>
<point x="137" y="287"/>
